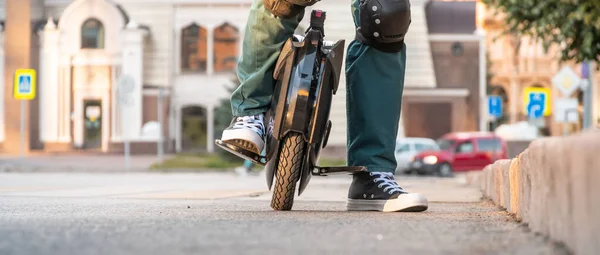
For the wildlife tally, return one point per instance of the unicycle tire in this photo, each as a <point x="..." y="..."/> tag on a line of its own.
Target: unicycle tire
<point x="287" y="172"/>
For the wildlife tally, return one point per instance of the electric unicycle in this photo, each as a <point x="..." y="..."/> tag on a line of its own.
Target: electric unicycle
<point x="307" y="76"/>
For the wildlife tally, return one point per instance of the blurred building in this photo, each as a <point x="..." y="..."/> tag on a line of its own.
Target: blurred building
<point x="442" y="84"/>
<point x="450" y="50"/>
<point x="83" y="50"/>
<point x="516" y="63"/>
<point x="103" y="63"/>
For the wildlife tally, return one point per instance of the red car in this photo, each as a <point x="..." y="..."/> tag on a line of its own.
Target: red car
<point x="460" y="152"/>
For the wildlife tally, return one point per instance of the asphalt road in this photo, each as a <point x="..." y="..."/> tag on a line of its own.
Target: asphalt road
<point x="34" y="220"/>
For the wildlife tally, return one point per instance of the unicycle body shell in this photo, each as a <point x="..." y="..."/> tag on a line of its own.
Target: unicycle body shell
<point x="306" y="77"/>
<point x="305" y="85"/>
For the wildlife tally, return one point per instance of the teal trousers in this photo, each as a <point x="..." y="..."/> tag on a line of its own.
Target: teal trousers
<point x="374" y="84"/>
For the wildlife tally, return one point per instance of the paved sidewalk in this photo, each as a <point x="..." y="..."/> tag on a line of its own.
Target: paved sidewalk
<point x="208" y="186"/>
<point x="76" y="163"/>
<point x="153" y="213"/>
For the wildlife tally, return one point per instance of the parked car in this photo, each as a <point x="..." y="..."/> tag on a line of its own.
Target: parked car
<point x="407" y="148"/>
<point x="460" y="152"/>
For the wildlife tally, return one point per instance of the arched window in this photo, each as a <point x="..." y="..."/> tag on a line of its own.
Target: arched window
<point x="194" y="49"/>
<point x="226" y="47"/>
<point x="92" y="34"/>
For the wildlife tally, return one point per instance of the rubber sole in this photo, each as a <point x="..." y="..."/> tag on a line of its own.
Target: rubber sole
<point x="244" y="138"/>
<point x="404" y="203"/>
<point x="244" y="145"/>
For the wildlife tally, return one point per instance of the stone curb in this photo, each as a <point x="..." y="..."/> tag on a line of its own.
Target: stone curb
<point x="553" y="186"/>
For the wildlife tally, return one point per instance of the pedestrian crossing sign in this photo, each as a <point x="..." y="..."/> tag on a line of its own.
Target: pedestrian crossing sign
<point x="24" y="84"/>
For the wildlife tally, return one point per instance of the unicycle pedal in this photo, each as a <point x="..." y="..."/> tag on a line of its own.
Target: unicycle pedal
<point x="242" y="153"/>
<point x="324" y="171"/>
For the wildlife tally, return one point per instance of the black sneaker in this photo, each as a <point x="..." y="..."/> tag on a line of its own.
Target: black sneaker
<point x="378" y="191"/>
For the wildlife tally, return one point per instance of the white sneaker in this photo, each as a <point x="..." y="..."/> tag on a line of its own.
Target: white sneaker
<point x="247" y="132"/>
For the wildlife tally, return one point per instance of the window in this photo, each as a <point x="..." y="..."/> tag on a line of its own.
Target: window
<point x="226" y="39"/>
<point x="92" y="34"/>
<point x="403" y="147"/>
<point x="194" y="49"/>
<point x="445" y="144"/>
<point x="466" y="147"/>
<point x="424" y="147"/>
<point x="488" y="145"/>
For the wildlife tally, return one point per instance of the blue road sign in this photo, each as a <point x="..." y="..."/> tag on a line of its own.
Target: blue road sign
<point x="536" y="106"/>
<point x="495" y="106"/>
<point x="24" y="84"/>
<point x="536" y="102"/>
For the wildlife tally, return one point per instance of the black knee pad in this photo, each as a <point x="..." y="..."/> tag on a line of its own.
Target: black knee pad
<point x="287" y="8"/>
<point x="383" y="24"/>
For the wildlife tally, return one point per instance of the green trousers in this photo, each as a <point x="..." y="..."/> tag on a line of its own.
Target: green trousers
<point x="374" y="84"/>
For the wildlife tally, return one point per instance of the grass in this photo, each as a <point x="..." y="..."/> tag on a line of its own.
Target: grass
<point x="216" y="161"/>
<point x="331" y="162"/>
<point x="199" y="162"/>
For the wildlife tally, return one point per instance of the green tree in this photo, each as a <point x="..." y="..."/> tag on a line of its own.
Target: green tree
<point x="573" y="25"/>
<point x="223" y="117"/>
<point x="223" y="114"/>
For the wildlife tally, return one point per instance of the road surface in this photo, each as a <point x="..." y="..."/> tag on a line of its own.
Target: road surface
<point x="144" y="213"/>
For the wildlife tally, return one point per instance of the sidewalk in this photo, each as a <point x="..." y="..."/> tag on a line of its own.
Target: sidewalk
<point x="139" y="185"/>
<point x="335" y="188"/>
<point x="76" y="163"/>
<point x="212" y="213"/>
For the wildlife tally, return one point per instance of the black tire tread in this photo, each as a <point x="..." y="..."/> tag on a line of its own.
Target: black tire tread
<point x="287" y="173"/>
<point x="440" y="174"/>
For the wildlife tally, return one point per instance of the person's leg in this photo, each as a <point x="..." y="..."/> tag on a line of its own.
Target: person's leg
<point x="263" y="40"/>
<point x="245" y="168"/>
<point x="375" y="81"/>
<point x="264" y="37"/>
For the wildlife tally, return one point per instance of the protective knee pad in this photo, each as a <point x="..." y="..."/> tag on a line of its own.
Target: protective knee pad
<point x="383" y="24"/>
<point x="287" y="8"/>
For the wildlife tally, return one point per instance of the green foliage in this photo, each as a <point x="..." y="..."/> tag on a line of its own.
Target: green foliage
<point x="223" y="114"/>
<point x="223" y="117"/>
<point x="574" y="25"/>
<point x="198" y="162"/>
<point x="328" y="162"/>
<point x="194" y="130"/>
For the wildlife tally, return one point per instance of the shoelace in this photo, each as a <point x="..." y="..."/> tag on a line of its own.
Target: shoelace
<point x="251" y="122"/>
<point x="387" y="182"/>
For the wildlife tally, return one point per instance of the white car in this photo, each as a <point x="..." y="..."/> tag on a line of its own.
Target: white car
<point x="407" y="148"/>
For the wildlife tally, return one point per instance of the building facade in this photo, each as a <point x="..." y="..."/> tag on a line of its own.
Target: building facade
<point x="110" y="70"/>
<point x="518" y="62"/>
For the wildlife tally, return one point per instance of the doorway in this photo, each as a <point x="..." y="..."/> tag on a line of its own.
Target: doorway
<point x="194" y="121"/>
<point x="92" y="124"/>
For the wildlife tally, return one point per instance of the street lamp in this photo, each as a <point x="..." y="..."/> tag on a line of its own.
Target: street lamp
<point x="482" y="80"/>
<point x="587" y="93"/>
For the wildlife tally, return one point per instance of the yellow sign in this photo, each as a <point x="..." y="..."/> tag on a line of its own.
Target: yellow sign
<point x="537" y="100"/>
<point x="24" y="84"/>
